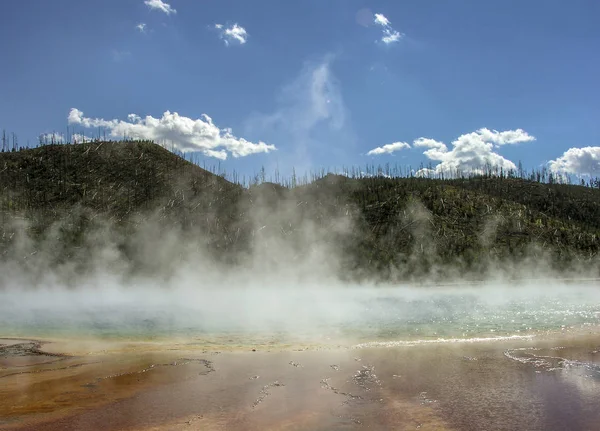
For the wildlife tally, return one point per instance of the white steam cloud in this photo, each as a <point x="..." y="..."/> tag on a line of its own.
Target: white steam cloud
<point x="310" y="116"/>
<point x="185" y="134"/>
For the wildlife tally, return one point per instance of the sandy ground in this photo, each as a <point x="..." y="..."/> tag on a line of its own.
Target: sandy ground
<point x="546" y="383"/>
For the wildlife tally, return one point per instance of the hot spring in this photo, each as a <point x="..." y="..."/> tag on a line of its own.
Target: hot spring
<point x="349" y="316"/>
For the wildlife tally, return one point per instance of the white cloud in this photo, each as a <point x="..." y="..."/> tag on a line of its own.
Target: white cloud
<point x="141" y="27"/>
<point x="508" y="137"/>
<point x="388" y="148"/>
<point x="185" y="134"/>
<point x="160" y="5"/>
<point x="52" y="138"/>
<point x="472" y="152"/>
<point x="381" y="20"/>
<point x="428" y="143"/>
<point x="578" y="161"/>
<point x="134" y="118"/>
<point x="310" y="118"/>
<point x="389" y="34"/>
<point x="79" y="138"/>
<point x="233" y="33"/>
<point x="76" y="117"/>
<point x="313" y="99"/>
<point x="58" y="138"/>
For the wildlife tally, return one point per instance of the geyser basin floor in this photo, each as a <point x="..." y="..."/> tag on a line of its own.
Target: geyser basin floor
<point x="550" y="382"/>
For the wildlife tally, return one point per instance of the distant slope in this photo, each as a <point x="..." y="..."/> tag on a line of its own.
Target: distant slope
<point x="415" y="224"/>
<point x="385" y="228"/>
<point x="116" y="177"/>
<point x="64" y="192"/>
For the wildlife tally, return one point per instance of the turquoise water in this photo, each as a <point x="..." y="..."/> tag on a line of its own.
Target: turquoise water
<point x="320" y="315"/>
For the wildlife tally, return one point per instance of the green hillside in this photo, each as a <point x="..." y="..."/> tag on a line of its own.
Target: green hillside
<point x="60" y="203"/>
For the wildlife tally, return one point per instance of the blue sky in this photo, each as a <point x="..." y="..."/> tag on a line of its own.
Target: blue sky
<point x="313" y="83"/>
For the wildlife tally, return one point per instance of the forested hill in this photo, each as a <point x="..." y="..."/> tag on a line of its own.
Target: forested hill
<point x="58" y="197"/>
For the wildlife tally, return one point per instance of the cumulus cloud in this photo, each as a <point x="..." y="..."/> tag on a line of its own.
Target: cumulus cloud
<point x="578" y="161"/>
<point x="141" y="27"/>
<point x="428" y="143"/>
<point x="185" y="134"/>
<point x="52" y="138"/>
<point x="471" y="152"/>
<point x="380" y="19"/>
<point x="160" y="5"/>
<point x="79" y="138"/>
<point x="233" y="33"/>
<point x="388" y="148"/>
<point x="436" y="149"/>
<point x="508" y="137"/>
<point x="58" y="138"/>
<point x="389" y="35"/>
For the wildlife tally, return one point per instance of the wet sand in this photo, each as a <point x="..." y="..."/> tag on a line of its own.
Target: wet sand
<point x="545" y="383"/>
